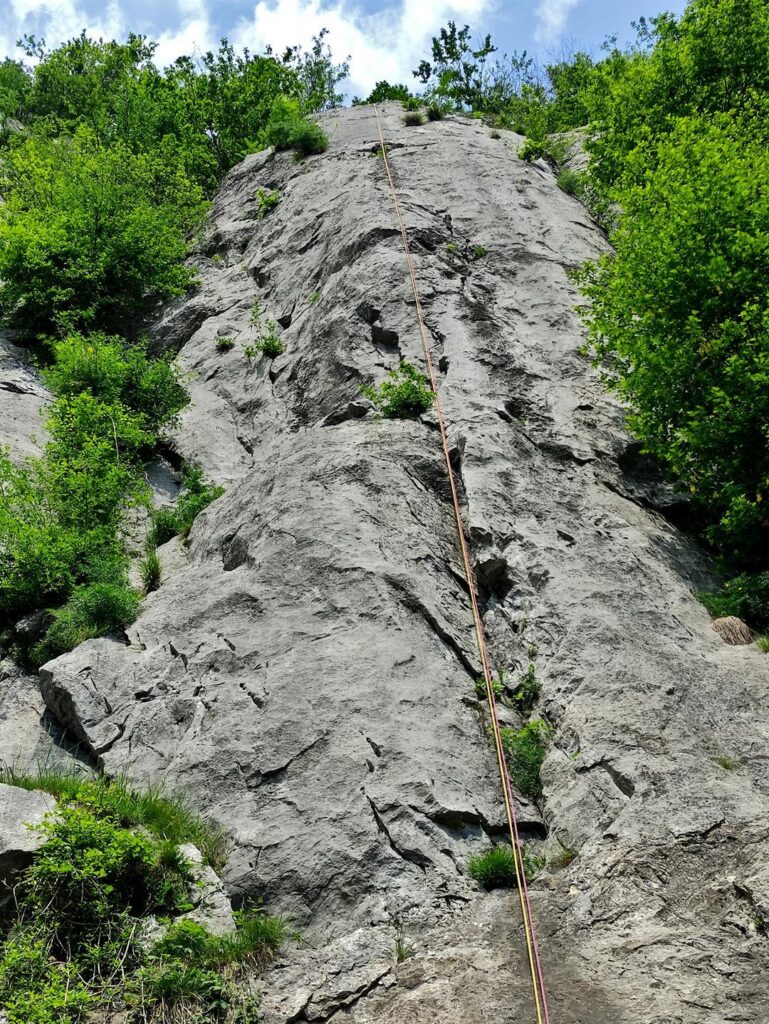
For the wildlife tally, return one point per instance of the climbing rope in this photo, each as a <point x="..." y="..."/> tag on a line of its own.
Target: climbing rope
<point x="535" y="963"/>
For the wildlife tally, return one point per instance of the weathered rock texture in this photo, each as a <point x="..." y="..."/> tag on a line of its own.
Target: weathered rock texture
<point x="306" y="671"/>
<point x="20" y="812"/>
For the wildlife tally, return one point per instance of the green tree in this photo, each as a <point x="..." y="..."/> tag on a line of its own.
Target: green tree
<point x="680" y="318"/>
<point x="90" y="235"/>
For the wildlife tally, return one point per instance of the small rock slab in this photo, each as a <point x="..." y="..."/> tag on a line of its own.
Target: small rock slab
<point x="20" y="809"/>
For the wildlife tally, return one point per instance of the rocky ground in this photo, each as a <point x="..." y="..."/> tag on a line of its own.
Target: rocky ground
<point x="306" y="671"/>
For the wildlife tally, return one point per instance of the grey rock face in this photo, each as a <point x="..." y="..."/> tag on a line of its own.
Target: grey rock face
<point x="22" y="401"/>
<point x="19" y="809"/>
<point x="307" y="673"/>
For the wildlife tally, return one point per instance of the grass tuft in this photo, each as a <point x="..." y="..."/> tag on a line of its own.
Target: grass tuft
<point x="525" y="751"/>
<point x="412" y="118"/>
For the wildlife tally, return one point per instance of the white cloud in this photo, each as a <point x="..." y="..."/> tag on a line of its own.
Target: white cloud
<point x="551" y="18"/>
<point x="57" y="20"/>
<point x="382" y="46"/>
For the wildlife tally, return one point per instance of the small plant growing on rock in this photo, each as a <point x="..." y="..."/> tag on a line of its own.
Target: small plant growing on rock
<point x="412" y="103"/>
<point x="479" y="251"/>
<point x="452" y="247"/>
<point x="314" y="297"/>
<point x="402" y="950"/>
<point x="93" y="610"/>
<point x="726" y="762"/>
<point x="269" y="343"/>
<point x="563" y="857"/>
<point x="413" y="118"/>
<point x="217" y="259"/>
<point x="569" y="182"/>
<point x="196" y="495"/>
<point x="150" y="571"/>
<point x="762" y="643"/>
<point x="497" y="685"/>
<point x="436" y="111"/>
<point x="532" y="149"/>
<point x="494" y="869"/>
<point x="405" y="394"/>
<point x="525" y="751"/>
<point x="266" y="200"/>
<point x="496" y="135"/>
<point x="224" y="344"/>
<point x="527" y="693"/>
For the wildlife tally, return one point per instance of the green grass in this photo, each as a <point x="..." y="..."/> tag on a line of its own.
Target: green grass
<point x="762" y="643"/>
<point x="166" y="817"/>
<point x="196" y="495"/>
<point x="525" y="752"/>
<point x="497" y="685"/>
<point x="93" y="610"/>
<point x="436" y="111"/>
<point x="495" y="868"/>
<point x="479" y="251"/>
<point x="224" y="344"/>
<point x="151" y="571"/>
<point x="412" y="118"/>
<point x="726" y="762"/>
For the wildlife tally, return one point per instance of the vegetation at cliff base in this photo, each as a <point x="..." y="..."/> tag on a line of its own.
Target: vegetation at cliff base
<point x="106" y="164"/>
<point x="97" y="927"/>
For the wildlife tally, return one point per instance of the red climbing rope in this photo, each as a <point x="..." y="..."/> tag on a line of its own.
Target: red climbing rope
<point x="535" y="963"/>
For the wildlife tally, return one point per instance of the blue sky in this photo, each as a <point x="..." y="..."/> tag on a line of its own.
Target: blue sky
<point x="384" y="39"/>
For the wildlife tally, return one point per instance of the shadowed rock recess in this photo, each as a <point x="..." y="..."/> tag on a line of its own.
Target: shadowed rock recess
<point x="306" y="671"/>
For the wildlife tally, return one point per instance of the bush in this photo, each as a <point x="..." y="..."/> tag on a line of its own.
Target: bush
<point x="413" y="118"/>
<point x="745" y="596"/>
<point x="108" y="861"/>
<point x="224" y="344"/>
<point x="532" y="149"/>
<point x="525" y="751"/>
<point x="266" y="200"/>
<point x="436" y="111"/>
<point x="527" y="693"/>
<point x="195" y="496"/>
<point x="289" y="129"/>
<point x="90" y="235"/>
<point x="93" y="610"/>
<point x="569" y="182"/>
<point x="113" y="371"/>
<point x="168" y="818"/>
<point x="406" y="395"/>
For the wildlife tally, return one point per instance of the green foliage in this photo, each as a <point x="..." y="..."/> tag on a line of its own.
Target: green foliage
<point x="479" y="251"/>
<point x="412" y="118"/>
<point x="497" y="685"/>
<point x="115" y="372"/>
<point x="746" y="596"/>
<point x="382" y="92"/>
<point x="762" y="643"/>
<point x="494" y="869"/>
<point x="266" y="200"/>
<point x="110" y="858"/>
<point x="196" y="495"/>
<point x="436" y="110"/>
<point x="527" y="692"/>
<point x="60" y="514"/>
<point x="287" y="128"/>
<point x="151" y="571"/>
<point x="168" y="818"/>
<point x="402" y="949"/>
<point x="412" y="103"/>
<point x="569" y="182"/>
<point x="225" y="344"/>
<point x="726" y="762"/>
<point x="92" y="610"/>
<point x="532" y="149"/>
<point x="525" y="751"/>
<point x="313" y="298"/>
<point x="405" y="394"/>
<point x="90" y="235"/>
